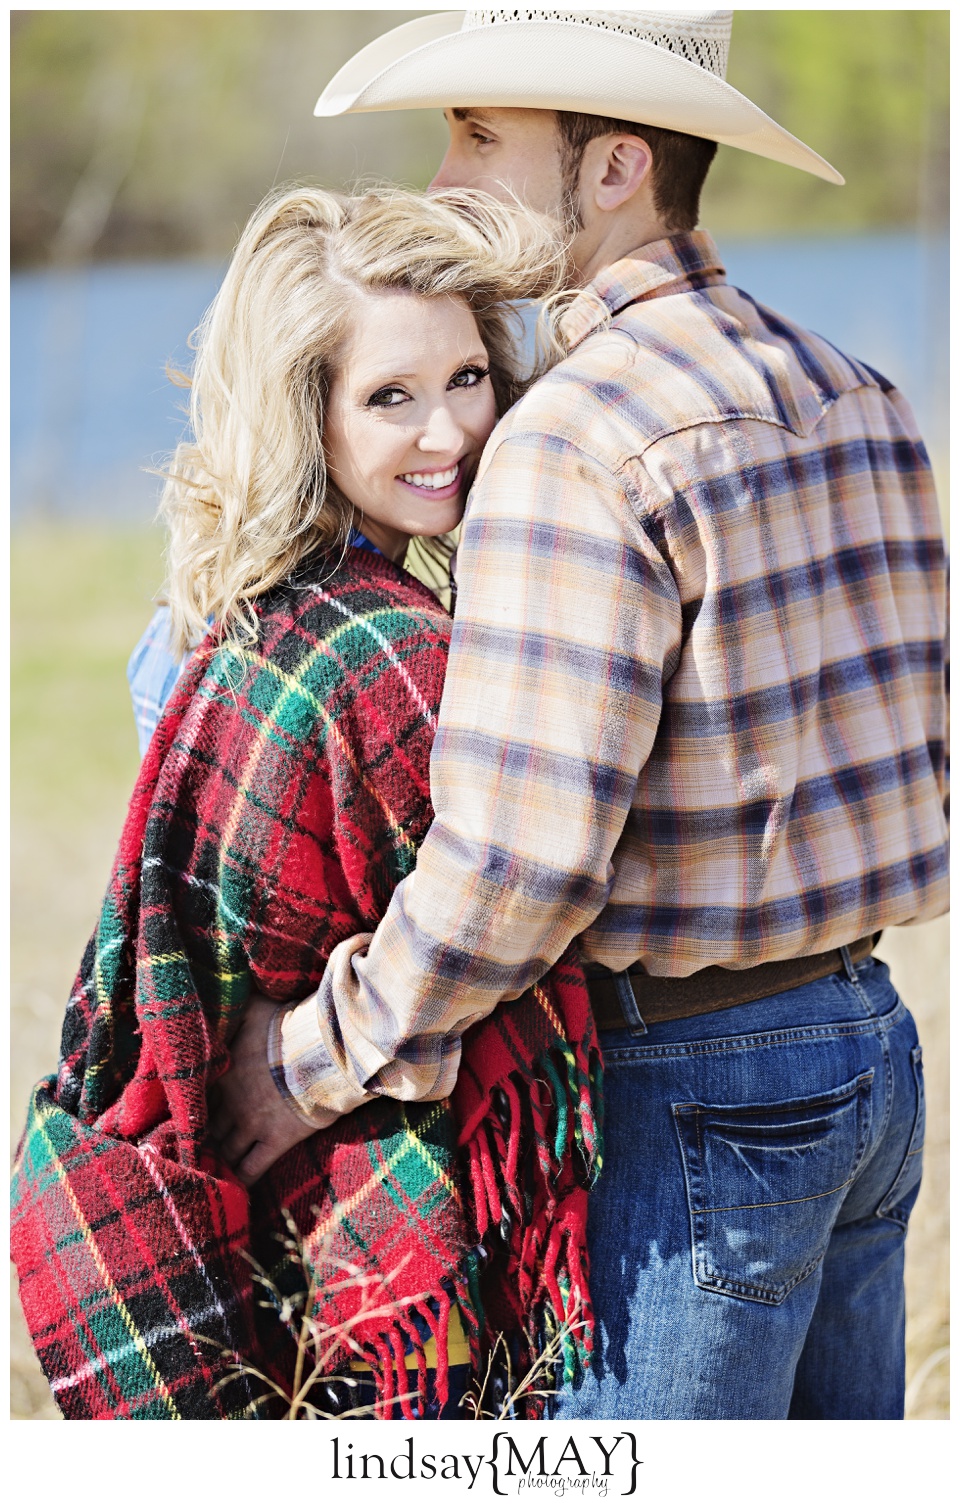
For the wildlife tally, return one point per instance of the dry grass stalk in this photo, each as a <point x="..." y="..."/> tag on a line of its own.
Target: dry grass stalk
<point x="318" y="1343"/>
<point x="534" y="1383"/>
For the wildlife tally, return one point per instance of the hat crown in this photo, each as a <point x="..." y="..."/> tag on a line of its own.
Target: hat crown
<point x="702" y="37"/>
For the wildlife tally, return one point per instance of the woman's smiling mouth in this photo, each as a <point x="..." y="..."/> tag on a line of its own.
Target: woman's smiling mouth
<point x="434" y="482"/>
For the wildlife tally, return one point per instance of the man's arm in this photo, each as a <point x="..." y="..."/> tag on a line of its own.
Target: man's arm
<point x="567" y="617"/>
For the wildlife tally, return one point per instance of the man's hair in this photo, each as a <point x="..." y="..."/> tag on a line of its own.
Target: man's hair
<point x="680" y="162"/>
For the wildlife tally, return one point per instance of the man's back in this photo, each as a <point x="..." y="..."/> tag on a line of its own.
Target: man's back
<point x="696" y="705"/>
<point x="741" y="524"/>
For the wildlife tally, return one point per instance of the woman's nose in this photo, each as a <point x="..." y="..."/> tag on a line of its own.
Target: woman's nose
<point x="442" y="433"/>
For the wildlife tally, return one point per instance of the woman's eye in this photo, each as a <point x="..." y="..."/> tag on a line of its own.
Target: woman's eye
<point x="478" y="136"/>
<point x="386" y="398"/>
<point x="469" y="377"/>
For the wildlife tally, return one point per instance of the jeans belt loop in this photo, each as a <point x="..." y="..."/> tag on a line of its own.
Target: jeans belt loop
<point x="628" y="1004"/>
<point x="848" y="965"/>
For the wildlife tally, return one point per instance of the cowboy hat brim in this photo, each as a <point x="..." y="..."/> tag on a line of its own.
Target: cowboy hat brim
<point x="431" y="63"/>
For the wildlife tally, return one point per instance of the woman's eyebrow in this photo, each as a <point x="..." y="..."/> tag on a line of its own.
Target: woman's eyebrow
<point x="365" y="381"/>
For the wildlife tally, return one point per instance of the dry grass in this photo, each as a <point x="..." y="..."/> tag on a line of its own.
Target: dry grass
<point x="919" y="961"/>
<point x="80" y="599"/>
<point x="323" y="1344"/>
<point x="481" y="1403"/>
<point x="320" y="1345"/>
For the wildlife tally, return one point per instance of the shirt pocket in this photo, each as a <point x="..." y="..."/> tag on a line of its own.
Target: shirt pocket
<point x="765" y="1184"/>
<point x="898" y="1201"/>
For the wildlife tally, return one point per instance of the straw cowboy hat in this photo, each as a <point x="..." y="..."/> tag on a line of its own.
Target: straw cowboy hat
<point x="661" y="68"/>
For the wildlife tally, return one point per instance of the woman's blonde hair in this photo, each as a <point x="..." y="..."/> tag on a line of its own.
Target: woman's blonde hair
<point x="248" y="497"/>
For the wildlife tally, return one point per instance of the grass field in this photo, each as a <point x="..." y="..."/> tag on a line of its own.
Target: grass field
<point x="80" y="599"/>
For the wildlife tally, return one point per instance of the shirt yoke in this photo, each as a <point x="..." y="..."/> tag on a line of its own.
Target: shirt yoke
<point x="675" y="363"/>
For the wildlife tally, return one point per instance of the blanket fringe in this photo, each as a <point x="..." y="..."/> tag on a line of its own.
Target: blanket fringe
<point x="530" y="1214"/>
<point x="534" y="1231"/>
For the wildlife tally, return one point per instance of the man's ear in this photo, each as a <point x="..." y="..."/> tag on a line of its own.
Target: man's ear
<point x="614" y="168"/>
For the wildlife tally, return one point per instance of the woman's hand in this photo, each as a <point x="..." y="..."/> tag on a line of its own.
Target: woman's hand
<point x="251" y="1121"/>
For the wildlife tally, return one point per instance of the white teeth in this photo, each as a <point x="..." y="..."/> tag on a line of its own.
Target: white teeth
<point x="431" y="479"/>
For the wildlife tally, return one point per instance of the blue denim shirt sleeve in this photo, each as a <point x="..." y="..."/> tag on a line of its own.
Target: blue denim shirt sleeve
<point x="152" y="673"/>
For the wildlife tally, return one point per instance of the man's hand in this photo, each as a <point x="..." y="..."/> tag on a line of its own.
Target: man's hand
<point x="251" y="1121"/>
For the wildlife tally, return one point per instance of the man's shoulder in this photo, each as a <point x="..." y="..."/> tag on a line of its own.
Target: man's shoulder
<point x="717" y="354"/>
<point x="575" y="404"/>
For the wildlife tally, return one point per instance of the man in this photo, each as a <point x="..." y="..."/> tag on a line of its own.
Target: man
<point x="694" y="718"/>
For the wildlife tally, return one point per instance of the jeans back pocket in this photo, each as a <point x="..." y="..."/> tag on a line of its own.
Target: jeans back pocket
<point x="765" y="1183"/>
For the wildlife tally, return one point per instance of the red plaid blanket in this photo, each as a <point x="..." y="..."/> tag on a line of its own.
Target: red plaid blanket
<point x="280" y="803"/>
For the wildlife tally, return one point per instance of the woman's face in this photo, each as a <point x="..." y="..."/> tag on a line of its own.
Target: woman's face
<point x="408" y="415"/>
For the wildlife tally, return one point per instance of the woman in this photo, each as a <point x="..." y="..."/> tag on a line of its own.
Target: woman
<point x="347" y="377"/>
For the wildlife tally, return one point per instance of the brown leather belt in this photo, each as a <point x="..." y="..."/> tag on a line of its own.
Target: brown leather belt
<point x="660" y="998"/>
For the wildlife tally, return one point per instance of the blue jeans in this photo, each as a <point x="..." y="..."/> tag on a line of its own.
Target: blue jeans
<point x="747" y="1233"/>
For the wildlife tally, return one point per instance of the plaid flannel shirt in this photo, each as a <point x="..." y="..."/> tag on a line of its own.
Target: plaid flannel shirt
<point x="695" y="705"/>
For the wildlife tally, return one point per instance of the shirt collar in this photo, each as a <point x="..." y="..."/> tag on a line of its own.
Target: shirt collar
<point x="678" y="264"/>
<point x="359" y="539"/>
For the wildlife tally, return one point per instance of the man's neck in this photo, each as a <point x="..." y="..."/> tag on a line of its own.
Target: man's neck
<point x="608" y="239"/>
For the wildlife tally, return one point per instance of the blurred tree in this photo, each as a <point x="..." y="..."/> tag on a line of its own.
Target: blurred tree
<point x="146" y="133"/>
<point x="153" y="133"/>
<point x="869" y="90"/>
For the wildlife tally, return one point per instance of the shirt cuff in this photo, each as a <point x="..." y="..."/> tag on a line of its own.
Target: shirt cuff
<point x="298" y="1060"/>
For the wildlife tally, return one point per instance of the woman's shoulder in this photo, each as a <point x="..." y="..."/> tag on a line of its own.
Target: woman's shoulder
<point x="358" y="648"/>
<point x="362" y="589"/>
<point x="358" y="617"/>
